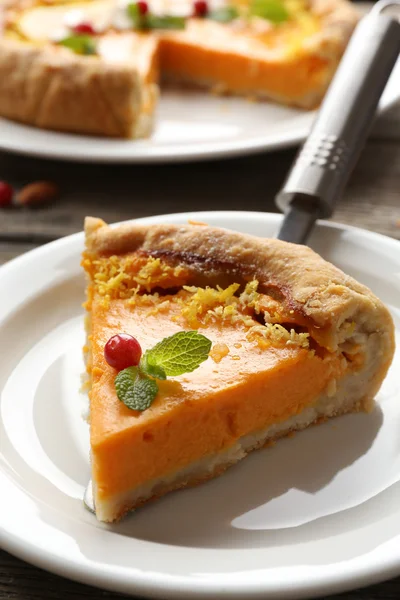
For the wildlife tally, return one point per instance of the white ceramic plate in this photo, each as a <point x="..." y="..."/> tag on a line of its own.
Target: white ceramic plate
<point x="317" y="513"/>
<point x="190" y="125"/>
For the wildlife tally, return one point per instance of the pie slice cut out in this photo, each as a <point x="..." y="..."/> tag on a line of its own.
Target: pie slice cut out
<point x="294" y="341"/>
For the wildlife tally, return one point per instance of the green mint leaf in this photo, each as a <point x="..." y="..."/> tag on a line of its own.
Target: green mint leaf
<point x="133" y="10"/>
<point x="138" y="20"/>
<point x="135" y="390"/>
<point x="180" y="353"/>
<point x="144" y="392"/>
<point x="150" y="21"/>
<point x="225" y="14"/>
<point x="124" y="381"/>
<point x="80" y="44"/>
<point x="271" y="10"/>
<point x="165" y="22"/>
<point x="153" y="370"/>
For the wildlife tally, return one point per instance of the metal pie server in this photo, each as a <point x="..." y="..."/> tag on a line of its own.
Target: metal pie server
<point x="324" y="163"/>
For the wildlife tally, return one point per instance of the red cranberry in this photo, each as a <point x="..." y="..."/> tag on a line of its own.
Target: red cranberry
<point x="143" y="7"/>
<point x="6" y="193"/>
<point x="200" y="8"/>
<point x="84" y="27"/>
<point x="122" y="351"/>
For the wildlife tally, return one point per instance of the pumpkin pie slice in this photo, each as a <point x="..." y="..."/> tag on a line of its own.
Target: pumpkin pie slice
<point x="294" y="341"/>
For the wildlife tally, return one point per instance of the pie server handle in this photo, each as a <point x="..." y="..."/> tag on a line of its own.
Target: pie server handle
<point x="343" y="122"/>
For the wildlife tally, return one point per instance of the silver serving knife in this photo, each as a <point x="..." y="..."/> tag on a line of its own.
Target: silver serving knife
<point x="324" y="163"/>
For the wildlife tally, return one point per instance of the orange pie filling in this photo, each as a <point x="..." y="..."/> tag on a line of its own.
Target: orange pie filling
<point x="264" y="368"/>
<point x="279" y="63"/>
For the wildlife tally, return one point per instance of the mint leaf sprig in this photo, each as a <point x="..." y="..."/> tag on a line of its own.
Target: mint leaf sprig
<point x="135" y="389"/>
<point x="80" y="44"/>
<point x="180" y="353"/>
<point x="271" y="10"/>
<point x="149" y="21"/>
<point x="224" y="14"/>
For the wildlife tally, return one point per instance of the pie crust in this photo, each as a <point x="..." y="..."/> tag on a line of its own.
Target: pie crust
<point x="51" y="87"/>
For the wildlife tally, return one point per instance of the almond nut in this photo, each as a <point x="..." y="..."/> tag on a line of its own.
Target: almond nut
<point x="37" y="193"/>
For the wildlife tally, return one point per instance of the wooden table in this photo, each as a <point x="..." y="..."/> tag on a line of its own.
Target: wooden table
<point x="372" y="201"/>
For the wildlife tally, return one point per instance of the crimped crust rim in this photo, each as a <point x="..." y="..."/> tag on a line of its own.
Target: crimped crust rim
<point x="318" y="292"/>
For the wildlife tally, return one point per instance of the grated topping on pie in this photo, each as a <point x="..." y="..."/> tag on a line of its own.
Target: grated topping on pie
<point x="123" y="277"/>
<point x="266" y="334"/>
<point x="135" y="278"/>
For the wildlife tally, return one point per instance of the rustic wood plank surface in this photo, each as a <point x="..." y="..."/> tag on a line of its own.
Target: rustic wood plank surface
<point x="371" y="200"/>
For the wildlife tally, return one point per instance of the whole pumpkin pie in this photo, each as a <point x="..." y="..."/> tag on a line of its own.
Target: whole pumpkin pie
<point x="93" y="66"/>
<point x="293" y="341"/>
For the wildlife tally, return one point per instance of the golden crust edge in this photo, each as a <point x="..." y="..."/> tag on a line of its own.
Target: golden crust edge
<point x="339" y="19"/>
<point x="41" y="84"/>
